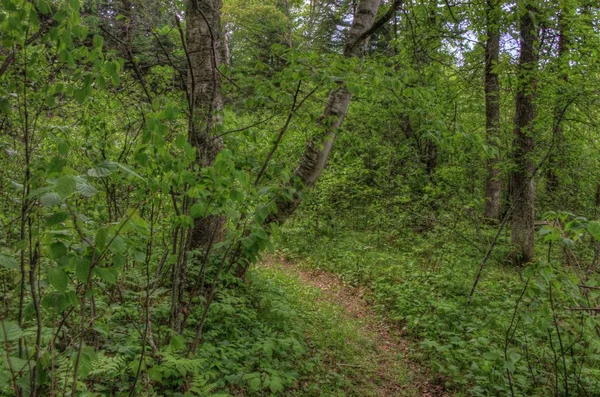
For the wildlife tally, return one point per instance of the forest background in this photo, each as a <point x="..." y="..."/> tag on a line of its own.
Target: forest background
<point x="441" y="154"/>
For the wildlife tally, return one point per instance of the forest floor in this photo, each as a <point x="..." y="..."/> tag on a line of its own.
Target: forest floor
<point x="379" y="362"/>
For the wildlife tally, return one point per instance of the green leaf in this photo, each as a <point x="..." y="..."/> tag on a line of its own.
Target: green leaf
<point x="491" y="356"/>
<point x="107" y="274"/>
<point x="88" y="355"/>
<point x="17" y="363"/>
<point x="80" y="95"/>
<point x="155" y="374"/>
<point x="50" y="199"/>
<point x="594" y="228"/>
<point x="56" y="218"/>
<point x="4" y="105"/>
<point x="112" y="69"/>
<point x="8" y="262"/>
<point x="276" y="385"/>
<point x="84" y="188"/>
<point x="58" y="279"/>
<point x="118" y="260"/>
<point x="255" y="384"/>
<point x="198" y="210"/>
<point x="98" y="41"/>
<point x="43" y="7"/>
<point x="9" y="330"/>
<point x="101" y="171"/>
<point x="100" y="240"/>
<point x="60" y="301"/>
<point x="236" y="195"/>
<point x="65" y="186"/>
<point x="58" y="250"/>
<point x="129" y="171"/>
<point x="118" y="245"/>
<point x="82" y="270"/>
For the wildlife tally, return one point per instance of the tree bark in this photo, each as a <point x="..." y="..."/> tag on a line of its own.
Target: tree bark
<point x="493" y="184"/>
<point x="552" y="181"/>
<point x="203" y="39"/>
<point x="202" y="50"/>
<point x="522" y="181"/>
<point x="317" y="149"/>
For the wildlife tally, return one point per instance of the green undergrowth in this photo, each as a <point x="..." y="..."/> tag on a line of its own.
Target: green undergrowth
<point x="343" y="350"/>
<point x="270" y="336"/>
<point x="516" y="336"/>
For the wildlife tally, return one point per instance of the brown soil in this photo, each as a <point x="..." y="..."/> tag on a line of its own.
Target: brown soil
<point x="388" y="339"/>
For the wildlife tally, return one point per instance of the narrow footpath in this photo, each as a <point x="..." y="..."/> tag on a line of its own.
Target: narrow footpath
<point x="388" y="370"/>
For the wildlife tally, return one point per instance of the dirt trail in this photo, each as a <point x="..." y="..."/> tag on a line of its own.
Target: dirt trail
<point x="391" y="345"/>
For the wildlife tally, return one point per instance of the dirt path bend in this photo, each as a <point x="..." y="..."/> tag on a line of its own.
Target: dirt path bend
<point x="392" y="348"/>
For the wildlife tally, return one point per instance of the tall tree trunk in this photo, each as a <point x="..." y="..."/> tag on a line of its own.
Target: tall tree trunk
<point x="318" y="148"/>
<point x="432" y="47"/>
<point x="203" y="38"/>
<point x="493" y="184"/>
<point x="202" y="48"/>
<point x="522" y="181"/>
<point x="552" y="181"/>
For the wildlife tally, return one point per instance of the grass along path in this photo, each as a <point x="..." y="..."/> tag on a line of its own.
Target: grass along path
<point x="359" y="354"/>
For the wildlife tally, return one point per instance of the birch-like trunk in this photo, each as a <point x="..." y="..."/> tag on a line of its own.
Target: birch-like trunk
<point x="203" y="40"/>
<point x="493" y="183"/>
<point x="202" y="46"/>
<point x="522" y="181"/>
<point x="318" y="148"/>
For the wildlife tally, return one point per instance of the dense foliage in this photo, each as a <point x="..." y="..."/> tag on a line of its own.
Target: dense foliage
<point x="151" y="151"/>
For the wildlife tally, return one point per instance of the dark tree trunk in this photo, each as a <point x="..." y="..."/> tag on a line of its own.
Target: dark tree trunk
<point x="493" y="184"/>
<point x="552" y="181"/>
<point x="522" y="181"/>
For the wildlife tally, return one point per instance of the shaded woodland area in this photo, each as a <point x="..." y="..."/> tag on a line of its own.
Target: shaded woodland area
<point x="183" y="184"/>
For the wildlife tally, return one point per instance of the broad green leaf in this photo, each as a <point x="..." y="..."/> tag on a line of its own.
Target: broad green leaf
<point x="50" y="199"/>
<point x="56" y="218"/>
<point x="85" y="188"/>
<point x="100" y="240"/>
<point x="18" y="364"/>
<point x="155" y="374"/>
<point x="98" y="41"/>
<point x="4" y="106"/>
<point x="43" y="7"/>
<point x="107" y="274"/>
<point x="118" y="245"/>
<point x="88" y="355"/>
<point x="58" y="279"/>
<point x="255" y="384"/>
<point x="198" y="210"/>
<point x="65" y="186"/>
<point x="101" y="171"/>
<point x="9" y="330"/>
<point x="594" y="229"/>
<point x="58" y="250"/>
<point x="82" y="270"/>
<point x="80" y="95"/>
<point x="8" y="262"/>
<point x="275" y="385"/>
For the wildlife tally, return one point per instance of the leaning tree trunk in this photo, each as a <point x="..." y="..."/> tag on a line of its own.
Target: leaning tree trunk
<point x="522" y="181"/>
<point x="493" y="183"/>
<point x="318" y="148"/>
